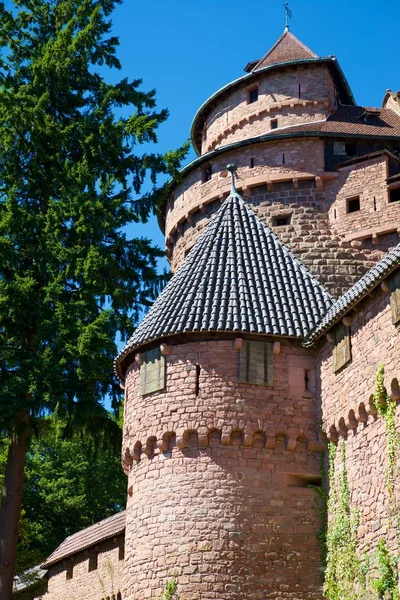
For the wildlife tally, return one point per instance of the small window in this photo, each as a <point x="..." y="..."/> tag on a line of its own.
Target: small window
<point x="353" y="204"/>
<point x="299" y="92"/>
<point x="339" y="148"/>
<point x="206" y="174"/>
<point x="351" y="149"/>
<point x="274" y="123"/>
<point x="252" y="163"/>
<point x="253" y="95"/>
<point x="394" y="195"/>
<point x="256" y="363"/>
<point x="152" y="372"/>
<point x="394" y="283"/>
<point x="93" y="560"/>
<point x="69" y="573"/>
<point x="121" y="551"/>
<point x="342" y="348"/>
<point x="281" y="221"/>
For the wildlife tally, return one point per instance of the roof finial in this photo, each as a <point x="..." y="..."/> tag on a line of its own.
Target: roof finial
<point x="288" y="15"/>
<point x="232" y="168"/>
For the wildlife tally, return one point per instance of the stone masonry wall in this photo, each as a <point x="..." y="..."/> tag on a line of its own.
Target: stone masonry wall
<point x="377" y="216"/>
<point x="349" y="414"/>
<point x="102" y="583"/>
<point x="235" y="119"/>
<point x="217" y="481"/>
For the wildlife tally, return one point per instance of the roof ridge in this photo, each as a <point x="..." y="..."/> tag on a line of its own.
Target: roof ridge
<point x="369" y="280"/>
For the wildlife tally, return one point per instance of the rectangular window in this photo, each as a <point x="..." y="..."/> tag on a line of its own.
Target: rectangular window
<point x="394" y="283"/>
<point x="339" y="148"/>
<point x="351" y="149"/>
<point x="274" y="123"/>
<point x="206" y="174"/>
<point x="256" y="363"/>
<point x="252" y="163"/>
<point x="253" y="95"/>
<point x="353" y="204"/>
<point x="152" y="372"/>
<point x="281" y="221"/>
<point x="69" y="573"/>
<point x="394" y="195"/>
<point x="342" y="348"/>
<point x="93" y="558"/>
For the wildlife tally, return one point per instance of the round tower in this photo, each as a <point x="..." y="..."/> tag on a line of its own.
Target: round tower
<point x="221" y="441"/>
<point x="288" y="124"/>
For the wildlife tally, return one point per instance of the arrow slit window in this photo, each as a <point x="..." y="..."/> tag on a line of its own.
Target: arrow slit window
<point x="152" y="372"/>
<point x="256" y="363"/>
<point x="342" y="347"/>
<point x="394" y="283"/>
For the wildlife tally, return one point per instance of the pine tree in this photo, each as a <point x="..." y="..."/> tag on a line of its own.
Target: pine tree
<point x="70" y="280"/>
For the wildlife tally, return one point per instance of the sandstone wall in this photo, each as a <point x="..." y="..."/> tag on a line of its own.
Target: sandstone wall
<point x="234" y="118"/>
<point x="102" y="583"/>
<point x="377" y="216"/>
<point x="347" y="411"/>
<point x="217" y="481"/>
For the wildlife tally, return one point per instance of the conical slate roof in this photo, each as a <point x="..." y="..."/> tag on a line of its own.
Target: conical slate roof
<point x="286" y="49"/>
<point x="238" y="277"/>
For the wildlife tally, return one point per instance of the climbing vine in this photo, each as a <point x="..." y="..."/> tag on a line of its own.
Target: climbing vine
<point x="371" y="575"/>
<point x="341" y="538"/>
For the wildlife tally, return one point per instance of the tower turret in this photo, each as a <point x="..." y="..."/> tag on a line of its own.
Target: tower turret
<point x="220" y="432"/>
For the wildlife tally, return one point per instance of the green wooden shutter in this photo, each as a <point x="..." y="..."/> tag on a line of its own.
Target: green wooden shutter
<point x="342" y="348"/>
<point x="395" y="296"/>
<point x="256" y="363"/>
<point x="152" y="372"/>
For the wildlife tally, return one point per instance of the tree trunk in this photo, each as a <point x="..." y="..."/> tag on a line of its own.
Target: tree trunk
<point x="11" y="504"/>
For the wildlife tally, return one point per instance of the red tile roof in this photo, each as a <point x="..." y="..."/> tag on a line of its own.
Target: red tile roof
<point x="349" y="121"/>
<point x="286" y="49"/>
<point x="90" y="536"/>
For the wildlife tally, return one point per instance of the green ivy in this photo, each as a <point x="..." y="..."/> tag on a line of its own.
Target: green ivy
<point x="341" y="539"/>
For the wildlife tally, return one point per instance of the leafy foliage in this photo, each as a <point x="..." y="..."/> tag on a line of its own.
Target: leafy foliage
<point x="69" y="277"/>
<point x="69" y="484"/>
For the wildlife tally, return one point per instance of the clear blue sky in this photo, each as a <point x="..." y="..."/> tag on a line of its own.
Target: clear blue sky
<point x="187" y="49"/>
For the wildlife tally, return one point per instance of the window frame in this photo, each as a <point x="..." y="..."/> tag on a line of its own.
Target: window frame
<point x="342" y="343"/>
<point x="155" y="384"/>
<point x="249" y="371"/>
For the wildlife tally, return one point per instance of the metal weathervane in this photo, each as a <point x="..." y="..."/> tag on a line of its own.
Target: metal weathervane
<point x="288" y="15"/>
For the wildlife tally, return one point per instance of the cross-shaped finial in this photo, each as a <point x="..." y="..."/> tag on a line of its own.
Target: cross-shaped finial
<point x="288" y="15"/>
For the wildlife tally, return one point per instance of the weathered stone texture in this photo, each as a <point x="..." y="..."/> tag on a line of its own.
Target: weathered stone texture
<point x="210" y="498"/>
<point x="235" y="119"/>
<point x="103" y="582"/>
<point x="377" y="216"/>
<point x="347" y="409"/>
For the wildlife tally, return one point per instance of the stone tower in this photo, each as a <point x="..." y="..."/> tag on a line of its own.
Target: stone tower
<point x="221" y="438"/>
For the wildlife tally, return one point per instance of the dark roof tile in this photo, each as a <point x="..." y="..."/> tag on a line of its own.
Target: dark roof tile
<point x="370" y="280"/>
<point x="237" y="277"/>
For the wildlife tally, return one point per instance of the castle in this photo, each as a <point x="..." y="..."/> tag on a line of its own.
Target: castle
<point x="283" y="237"/>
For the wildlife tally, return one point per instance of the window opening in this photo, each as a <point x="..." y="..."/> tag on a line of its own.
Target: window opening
<point x="374" y="203"/>
<point x="256" y="363"/>
<point x="93" y="560"/>
<point x="342" y="348"/>
<point x="281" y="221"/>
<point x="121" y="551"/>
<point x="69" y="572"/>
<point x="299" y="90"/>
<point x="334" y="213"/>
<point x="283" y="159"/>
<point x="252" y="163"/>
<point x="206" y="174"/>
<point x="394" y="195"/>
<point x="274" y="123"/>
<point x="353" y="204"/>
<point x="253" y="95"/>
<point x="197" y="387"/>
<point x="152" y="372"/>
<point x="351" y="149"/>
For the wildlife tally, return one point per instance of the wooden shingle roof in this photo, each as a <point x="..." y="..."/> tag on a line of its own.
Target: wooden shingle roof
<point x="287" y="49"/>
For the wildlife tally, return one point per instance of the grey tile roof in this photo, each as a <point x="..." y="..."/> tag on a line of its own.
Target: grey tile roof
<point x="370" y="280"/>
<point x="85" y="538"/>
<point x="238" y="277"/>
